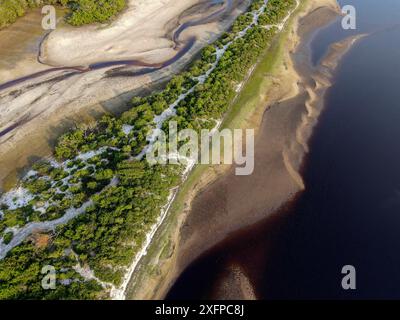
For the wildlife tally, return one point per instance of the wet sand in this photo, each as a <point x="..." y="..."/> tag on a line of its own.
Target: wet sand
<point x="234" y="202"/>
<point x="19" y="46"/>
<point x="20" y="43"/>
<point x="36" y="112"/>
<point x="231" y="202"/>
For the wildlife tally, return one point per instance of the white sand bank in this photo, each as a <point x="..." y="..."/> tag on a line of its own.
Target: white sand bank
<point x="140" y="30"/>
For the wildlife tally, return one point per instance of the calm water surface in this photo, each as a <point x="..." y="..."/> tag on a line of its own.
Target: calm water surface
<point x="350" y="212"/>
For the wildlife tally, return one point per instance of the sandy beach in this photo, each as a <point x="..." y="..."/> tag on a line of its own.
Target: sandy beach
<point x="142" y="32"/>
<point x="217" y="203"/>
<point x="37" y="111"/>
<point x="281" y="99"/>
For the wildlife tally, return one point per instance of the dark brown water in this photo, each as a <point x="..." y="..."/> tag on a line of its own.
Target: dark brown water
<point x="350" y="211"/>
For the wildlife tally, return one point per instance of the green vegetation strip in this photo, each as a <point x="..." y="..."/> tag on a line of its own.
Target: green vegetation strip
<point x="98" y="165"/>
<point x="80" y="11"/>
<point x="247" y="102"/>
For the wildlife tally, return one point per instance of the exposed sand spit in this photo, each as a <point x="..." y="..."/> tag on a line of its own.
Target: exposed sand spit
<point x="213" y="210"/>
<point x="141" y="31"/>
<point x="232" y="202"/>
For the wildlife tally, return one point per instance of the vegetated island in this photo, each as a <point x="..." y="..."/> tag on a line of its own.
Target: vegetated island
<point x="89" y="211"/>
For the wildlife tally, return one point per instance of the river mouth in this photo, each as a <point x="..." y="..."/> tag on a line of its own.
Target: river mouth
<point x="348" y="213"/>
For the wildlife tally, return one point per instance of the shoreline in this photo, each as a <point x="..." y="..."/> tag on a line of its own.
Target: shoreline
<point x="182" y="245"/>
<point x="157" y="285"/>
<point x="277" y="90"/>
<point x="312" y="86"/>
